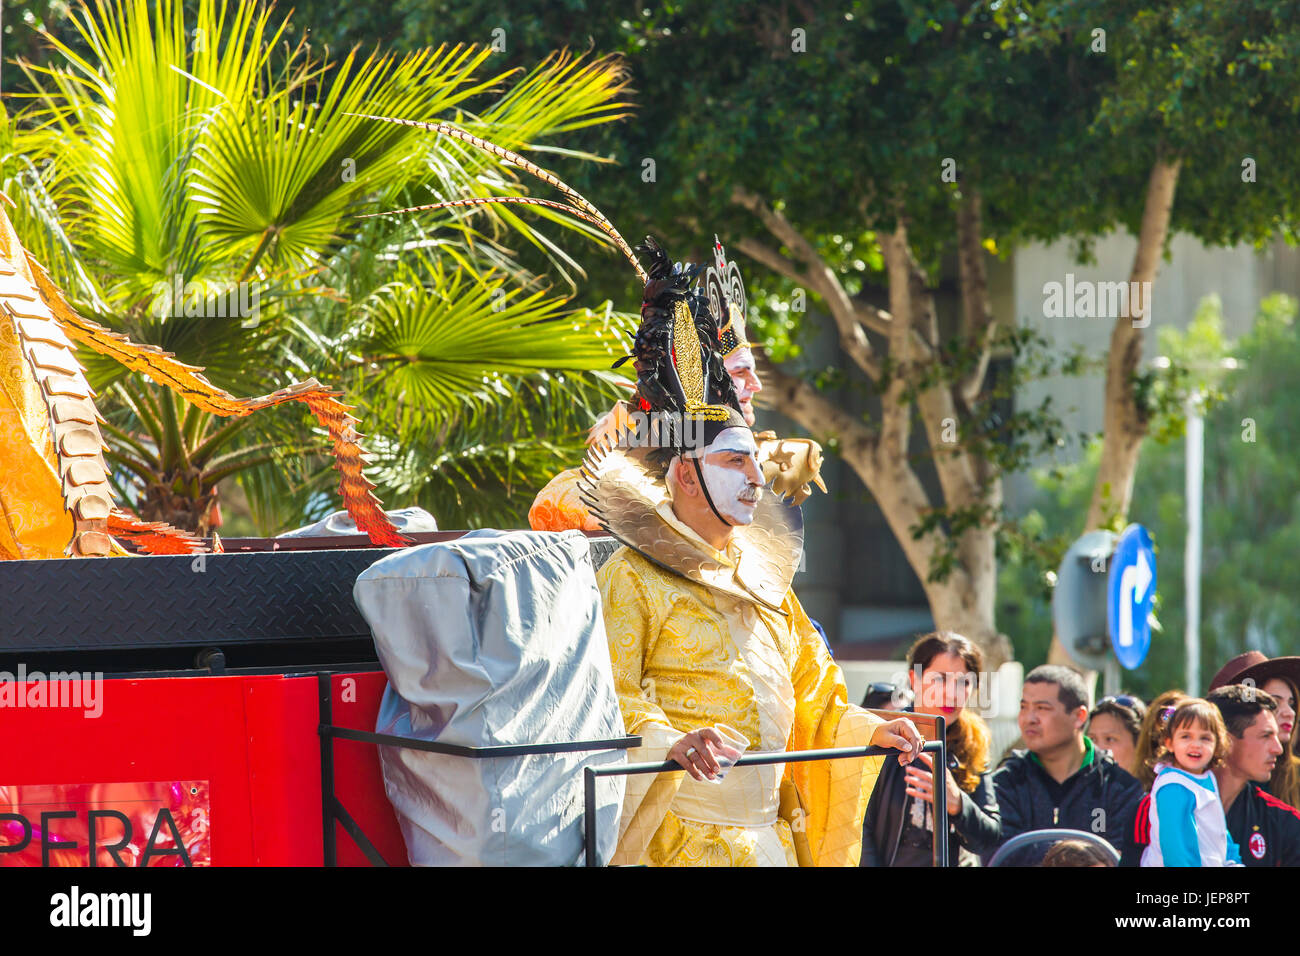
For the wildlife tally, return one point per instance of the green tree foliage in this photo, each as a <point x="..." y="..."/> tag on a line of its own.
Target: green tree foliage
<point x="1251" y="523"/>
<point x="807" y="134"/>
<point x="1054" y="112"/>
<point x="977" y="126"/>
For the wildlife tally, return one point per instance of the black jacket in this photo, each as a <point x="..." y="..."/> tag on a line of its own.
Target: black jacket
<point x="1266" y="830"/>
<point x="1101" y="798"/>
<point x="974" y="830"/>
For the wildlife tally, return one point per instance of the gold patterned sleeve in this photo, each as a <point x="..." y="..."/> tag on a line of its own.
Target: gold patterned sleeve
<point x="834" y="793"/>
<point x="631" y="626"/>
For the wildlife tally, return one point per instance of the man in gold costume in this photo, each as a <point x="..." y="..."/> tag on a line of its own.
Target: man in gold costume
<point x="708" y="642"/>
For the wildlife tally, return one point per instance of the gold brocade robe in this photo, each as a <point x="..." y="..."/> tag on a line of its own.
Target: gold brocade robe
<point x="686" y="656"/>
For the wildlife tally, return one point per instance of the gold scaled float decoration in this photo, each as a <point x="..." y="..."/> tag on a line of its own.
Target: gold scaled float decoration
<point x="55" y="499"/>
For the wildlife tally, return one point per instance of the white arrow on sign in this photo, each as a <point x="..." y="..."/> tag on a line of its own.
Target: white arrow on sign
<point x="1133" y="584"/>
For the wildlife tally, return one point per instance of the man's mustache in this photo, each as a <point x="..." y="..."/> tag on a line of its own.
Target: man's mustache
<point x="751" y="494"/>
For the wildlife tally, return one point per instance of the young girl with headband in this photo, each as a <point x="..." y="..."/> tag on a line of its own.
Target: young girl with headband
<point x="1188" y="827"/>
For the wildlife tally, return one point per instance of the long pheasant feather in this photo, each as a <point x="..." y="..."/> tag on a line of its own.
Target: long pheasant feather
<point x="488" y="200"/>
<point x="530" y="167"/>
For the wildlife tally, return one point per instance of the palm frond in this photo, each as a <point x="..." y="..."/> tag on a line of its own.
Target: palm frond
<point x="193" y="145"/>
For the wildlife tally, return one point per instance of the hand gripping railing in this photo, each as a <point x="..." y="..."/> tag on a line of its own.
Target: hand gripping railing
<point x="936" y="746"/>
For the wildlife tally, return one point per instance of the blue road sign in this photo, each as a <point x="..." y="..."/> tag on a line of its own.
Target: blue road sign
<point x="1130" y="590"/>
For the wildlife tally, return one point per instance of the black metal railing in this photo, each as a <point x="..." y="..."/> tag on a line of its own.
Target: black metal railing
<point x="795" y="756"/>
<point x="332" y="808"/>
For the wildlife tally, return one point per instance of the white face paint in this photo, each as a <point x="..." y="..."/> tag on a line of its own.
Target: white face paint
<point x="740" y="366"/>
<point x="730" y="467"/>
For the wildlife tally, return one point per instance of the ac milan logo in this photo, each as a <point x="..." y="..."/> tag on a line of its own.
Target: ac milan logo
<point x="1257" y="846"/>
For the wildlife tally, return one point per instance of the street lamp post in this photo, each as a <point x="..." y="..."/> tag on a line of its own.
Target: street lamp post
<point x="1194" y="486"/>
<point x="1193" y="491"/>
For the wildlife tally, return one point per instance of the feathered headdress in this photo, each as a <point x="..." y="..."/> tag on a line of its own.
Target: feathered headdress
<point x="679" y="369"/>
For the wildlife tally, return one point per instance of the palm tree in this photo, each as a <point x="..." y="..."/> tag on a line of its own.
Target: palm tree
<point x="198" y="184"/>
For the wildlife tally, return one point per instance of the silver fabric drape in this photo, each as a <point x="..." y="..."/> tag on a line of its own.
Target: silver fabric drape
<point x="495" y="638"/>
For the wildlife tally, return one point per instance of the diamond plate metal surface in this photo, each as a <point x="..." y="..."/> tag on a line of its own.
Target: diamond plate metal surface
<point x="166" y="601"/>
<point x="601" y="549"/>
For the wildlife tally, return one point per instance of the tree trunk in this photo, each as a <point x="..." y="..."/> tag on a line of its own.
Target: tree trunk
<point x="160" y="502"/>
<point x="965" y="601"/>
<point x="970" y="608"/>
<point x="1125" y="424"/>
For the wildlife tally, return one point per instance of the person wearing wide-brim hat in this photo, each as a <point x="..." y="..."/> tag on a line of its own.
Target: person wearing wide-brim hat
<point x="1255" y="667"/>
<point x="1280" y="678"/>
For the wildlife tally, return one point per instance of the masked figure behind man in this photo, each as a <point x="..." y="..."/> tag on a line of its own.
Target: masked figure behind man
<point x="708" y="642"/>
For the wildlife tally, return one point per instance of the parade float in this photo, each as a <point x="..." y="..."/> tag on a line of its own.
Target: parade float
<point x="168" y="699"/>
<point x="174" y="700"/>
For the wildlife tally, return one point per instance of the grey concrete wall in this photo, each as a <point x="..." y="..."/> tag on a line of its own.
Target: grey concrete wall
<point x="1241" y="276"/>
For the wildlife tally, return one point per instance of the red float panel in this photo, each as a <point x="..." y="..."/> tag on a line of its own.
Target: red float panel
<point x="253" y="739"/>
<point x="357" y="779"/>
<point x="283" y="751"/>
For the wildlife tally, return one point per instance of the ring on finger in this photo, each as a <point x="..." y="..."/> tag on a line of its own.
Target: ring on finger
<point x="690" y="751"/>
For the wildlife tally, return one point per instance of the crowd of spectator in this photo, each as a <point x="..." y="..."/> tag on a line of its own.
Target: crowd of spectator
<point x="1182" y="781"/>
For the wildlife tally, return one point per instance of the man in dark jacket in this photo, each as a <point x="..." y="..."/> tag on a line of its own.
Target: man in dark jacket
<point x="898" y="829"/>
<point x="1062" y="781"/>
